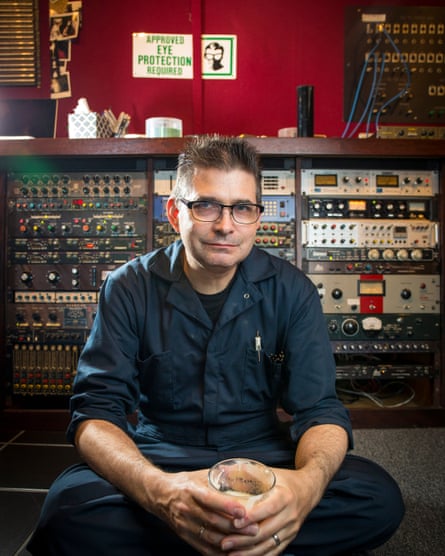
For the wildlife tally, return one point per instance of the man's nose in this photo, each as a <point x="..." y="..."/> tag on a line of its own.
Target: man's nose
<point x="225" y="219"/>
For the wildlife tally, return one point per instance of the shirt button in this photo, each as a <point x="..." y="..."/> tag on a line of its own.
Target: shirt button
<point x="246" y="296"/>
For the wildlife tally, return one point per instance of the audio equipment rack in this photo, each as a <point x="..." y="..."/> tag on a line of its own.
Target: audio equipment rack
<point x="364" y="219"/>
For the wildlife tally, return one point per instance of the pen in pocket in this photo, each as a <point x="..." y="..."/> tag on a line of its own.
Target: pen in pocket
<point x="258" y="345"/>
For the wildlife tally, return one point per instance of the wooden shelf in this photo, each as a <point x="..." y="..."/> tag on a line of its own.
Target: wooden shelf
<point x="303" y="147"/>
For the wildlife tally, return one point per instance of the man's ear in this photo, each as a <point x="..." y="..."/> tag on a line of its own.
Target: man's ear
<point x="172" y="213"/>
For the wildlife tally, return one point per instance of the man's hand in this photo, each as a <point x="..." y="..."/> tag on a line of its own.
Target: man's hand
<point x="277" y="518"/>
<point x="198" y="514"/>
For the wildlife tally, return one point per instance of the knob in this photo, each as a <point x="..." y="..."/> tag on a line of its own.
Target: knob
<point x="388" y="254"/>
<point x="373" y="254"/>
<point x="20" y="317"/>
<point x="350" y="327"/>
<point x="26" y="277"/>
<point x="36" y="317"/>
<point x="405" y="293"/>
<point x="53" y="277"/>
<point x="402" y="255"/>
<point x="416" y="255"/>
<point x="337" y="293"/>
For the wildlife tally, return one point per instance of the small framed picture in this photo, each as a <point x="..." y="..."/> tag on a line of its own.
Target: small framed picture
<point x="218" y="56"/>
<point x="64" y="27"/>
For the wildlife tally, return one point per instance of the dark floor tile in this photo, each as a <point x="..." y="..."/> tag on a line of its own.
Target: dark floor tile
<point x="8" y="435"/>
<point x="34" y="467"/>
<point x="18" y="515"/>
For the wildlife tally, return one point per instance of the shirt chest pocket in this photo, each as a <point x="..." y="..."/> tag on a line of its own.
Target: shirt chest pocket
<point x="171" y="380"/>
<point x="262" y="378"/>
<point x="158" y="380"/>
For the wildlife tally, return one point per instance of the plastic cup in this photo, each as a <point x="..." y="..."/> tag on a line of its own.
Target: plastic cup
<point x="247" y="480"/>
<point x="163" y="127"/>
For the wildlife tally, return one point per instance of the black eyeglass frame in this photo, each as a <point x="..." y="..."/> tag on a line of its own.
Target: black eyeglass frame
<point x="190" y="204"/>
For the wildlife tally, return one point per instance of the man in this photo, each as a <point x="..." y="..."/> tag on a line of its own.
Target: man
<point x="206" y="339"/>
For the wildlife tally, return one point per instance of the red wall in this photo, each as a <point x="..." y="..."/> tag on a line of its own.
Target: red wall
<point x="281" y="44"/>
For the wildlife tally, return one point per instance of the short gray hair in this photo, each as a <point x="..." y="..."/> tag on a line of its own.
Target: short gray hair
<point x="215" y="151"/>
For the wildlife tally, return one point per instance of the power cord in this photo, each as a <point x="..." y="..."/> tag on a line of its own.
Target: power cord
<point x="381" y="394"/>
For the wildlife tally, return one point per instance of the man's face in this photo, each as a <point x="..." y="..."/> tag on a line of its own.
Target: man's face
<point x="213" y="53"/>
<point x="216" y="246"/>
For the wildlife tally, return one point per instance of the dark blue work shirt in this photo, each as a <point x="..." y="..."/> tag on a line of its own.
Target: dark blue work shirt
<point x="154" y="349"/>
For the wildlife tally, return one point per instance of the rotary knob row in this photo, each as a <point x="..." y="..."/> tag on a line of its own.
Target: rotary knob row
<point x="337" y="293"/>
<point x="65" y="228"/>
<point x="392" y="255"/>
<point x="53" y="277"/>
<point x="45" y="180"/>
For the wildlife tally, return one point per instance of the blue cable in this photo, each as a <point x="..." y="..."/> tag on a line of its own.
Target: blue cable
<point x="405" y="88"/>
<point x="359" y="86"/>
<point x="370" y="98"/>
<point x="371" y="109"/>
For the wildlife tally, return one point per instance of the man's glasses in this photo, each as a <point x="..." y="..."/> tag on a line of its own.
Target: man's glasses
<point x="211" y="211"/>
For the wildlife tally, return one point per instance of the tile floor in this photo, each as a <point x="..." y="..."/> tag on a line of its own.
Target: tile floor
<point x="29" y="462"/>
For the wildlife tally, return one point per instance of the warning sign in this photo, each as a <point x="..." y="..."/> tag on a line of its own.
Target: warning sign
<point x="158" y="55"/>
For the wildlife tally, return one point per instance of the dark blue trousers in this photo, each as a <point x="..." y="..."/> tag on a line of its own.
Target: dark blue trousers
<point x="85" y="515"/>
